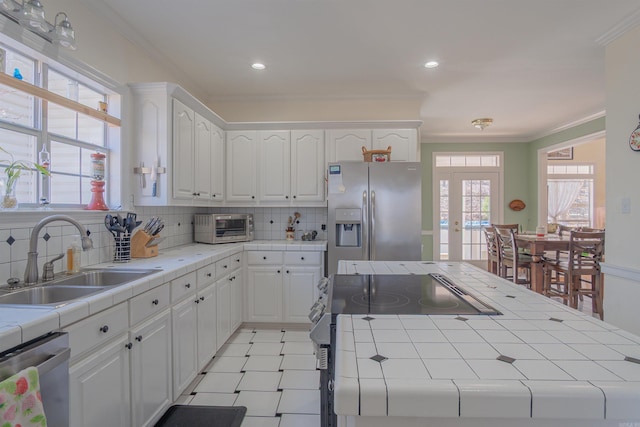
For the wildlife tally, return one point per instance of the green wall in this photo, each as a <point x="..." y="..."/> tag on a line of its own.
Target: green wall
<point x="520" y="174"/>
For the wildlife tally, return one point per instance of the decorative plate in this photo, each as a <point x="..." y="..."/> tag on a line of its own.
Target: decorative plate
<point x="634" y="139"/>
<point x="517" y="205"/>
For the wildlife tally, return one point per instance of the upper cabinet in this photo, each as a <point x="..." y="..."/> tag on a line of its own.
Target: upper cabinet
<point x="274" y="153"/>
<point x="241" y="166"/>
<point x="346" y="144"/>
<point x="307" y="165"/>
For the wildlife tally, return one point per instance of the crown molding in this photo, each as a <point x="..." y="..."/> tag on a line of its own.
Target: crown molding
<point x="628" y="23"/>
<point x="472" y="139"/>
<point x="569" y="125"/>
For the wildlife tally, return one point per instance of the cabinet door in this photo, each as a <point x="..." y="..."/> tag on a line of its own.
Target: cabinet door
<point x="307" y="165"/>
<point x="184" y="321"/>
<point x="344" y="145"/>
<point x="207" y="307"/>
<point x="241" y="166"/>
<point x="274" y="154"/>
<point x="217" y="164"/>
<point x="403" y="143"/>
<point x="236" y="300"/>
<point x="299" y="292"/>
<point x="151" y="369"/>
<point x="99" y="388"/>
<point x="202" y="158"/>
<point x="223" y="313"/>
<point x="264" y="294"/>
<point x="183" y="151"/>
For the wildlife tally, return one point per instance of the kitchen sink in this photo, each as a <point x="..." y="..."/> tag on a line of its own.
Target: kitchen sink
<point x="48" y="294"/>
<point x="67" y="289"/>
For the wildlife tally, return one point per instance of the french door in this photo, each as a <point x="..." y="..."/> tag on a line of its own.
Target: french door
<point x="465" y="203"/>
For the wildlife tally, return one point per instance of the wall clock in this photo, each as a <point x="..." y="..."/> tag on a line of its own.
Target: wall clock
<point x="634" y="139"/>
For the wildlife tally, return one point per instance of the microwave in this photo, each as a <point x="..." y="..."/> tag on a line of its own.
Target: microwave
<point x="223" y="228"/>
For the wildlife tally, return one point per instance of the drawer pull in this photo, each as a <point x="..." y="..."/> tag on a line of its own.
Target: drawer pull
<point x="238" y="260"/>
<point x="287" y="271"/>
<point x="224" y="266"/>
<point x="155" y="302"/>
<point x="104" y="329"/>
<point x="188" y="285"/>
<point x="197" y="301"/>
<point x="128" y="346"/>
<point x="302" y="258"/>
<point x="278" y="271"/>
<point x="139" y="338"/>
<point x="264" y="257"/>
<point x="201" y="298"/>
<point x="208" y="274"/>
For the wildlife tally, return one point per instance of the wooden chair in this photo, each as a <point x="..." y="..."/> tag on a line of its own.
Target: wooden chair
<point x="586" y="250"/>
<point x="492" y="249"/>
<point x="511" y="258"/>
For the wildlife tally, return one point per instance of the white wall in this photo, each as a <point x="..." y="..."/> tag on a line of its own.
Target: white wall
<point x="622" y="268"/>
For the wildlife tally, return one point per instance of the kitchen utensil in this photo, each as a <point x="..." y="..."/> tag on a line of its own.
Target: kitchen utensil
<point x="158" y="229"/>
<point x="154" y="242"/>
<point x="108" y="223"/>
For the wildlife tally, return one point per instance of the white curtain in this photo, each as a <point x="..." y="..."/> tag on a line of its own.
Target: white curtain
<point x="562" y="194"/>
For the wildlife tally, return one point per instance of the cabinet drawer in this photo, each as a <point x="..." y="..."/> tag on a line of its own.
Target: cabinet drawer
<point x="235" y="261"/>
<point x="206" y="276"/>
<point x="94" y="331"/>
<point x="264" y="257"/>
<point x="303" y="258"/>
<point x="148" y="303"/>
<point x="183" y="286"/>
<point x="228" y="264"/>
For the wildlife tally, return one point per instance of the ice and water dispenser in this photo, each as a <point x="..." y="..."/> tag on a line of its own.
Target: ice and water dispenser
<point x="348" y="227"/>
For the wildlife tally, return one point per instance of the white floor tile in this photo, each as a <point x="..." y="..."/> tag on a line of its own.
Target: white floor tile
<point x="301" y="336"/>
<point x="214" y="399"/>
<point x="260" y="422"/>
<point x="263" y="363"/>
<point x="259" y="403"/>
<point x="267" y="336"/>
<point x="219" y="382"/>
<point x="299" y="402"/>
<point x="299" y="420"/>
<point x="304" y="380"/>
<point x="233" y="350"/>
<point x="297" y="347"/>
<point x="260" y="381"/>
<point x="241" y="338"/>
<point x="265" y="349"/>
<point x="228" y="364"/>
<point x="298" y="361"/>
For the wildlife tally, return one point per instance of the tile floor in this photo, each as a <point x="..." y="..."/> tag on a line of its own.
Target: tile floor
<point x="270" y="371"/>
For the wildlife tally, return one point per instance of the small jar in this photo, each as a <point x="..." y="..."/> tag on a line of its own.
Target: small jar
<point x="290" y="235"/>
<point x="97" y="166"/>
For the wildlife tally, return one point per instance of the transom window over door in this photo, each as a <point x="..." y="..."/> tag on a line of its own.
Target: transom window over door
<point x="467" y="192"/>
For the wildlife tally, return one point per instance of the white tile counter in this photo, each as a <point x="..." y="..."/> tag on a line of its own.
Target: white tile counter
<point x="568" y="368"/>
<point x="21" y="324"/>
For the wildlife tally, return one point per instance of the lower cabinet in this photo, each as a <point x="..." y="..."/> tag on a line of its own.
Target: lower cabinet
<point x="207" y="330"/>
<point x="229" y="313"/>
<point x="185" y="344"/>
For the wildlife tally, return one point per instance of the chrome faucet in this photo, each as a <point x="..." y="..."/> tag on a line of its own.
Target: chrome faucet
<point x="31" y="272"/>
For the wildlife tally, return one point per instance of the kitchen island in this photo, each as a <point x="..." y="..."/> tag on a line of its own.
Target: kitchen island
<point x="539" y="363"/>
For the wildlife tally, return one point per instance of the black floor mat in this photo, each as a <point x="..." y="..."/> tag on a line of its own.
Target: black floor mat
<point x="202" y="416"/>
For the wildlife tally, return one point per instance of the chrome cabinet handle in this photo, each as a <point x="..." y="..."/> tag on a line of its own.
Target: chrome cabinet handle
<point x="365" y="226"/>
<point x="373" y="225"/>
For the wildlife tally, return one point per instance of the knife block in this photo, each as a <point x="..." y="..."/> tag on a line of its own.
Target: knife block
<point x="139" y="247"/>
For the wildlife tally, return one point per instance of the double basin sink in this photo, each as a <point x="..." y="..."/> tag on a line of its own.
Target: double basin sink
<point x="67" y="289"/>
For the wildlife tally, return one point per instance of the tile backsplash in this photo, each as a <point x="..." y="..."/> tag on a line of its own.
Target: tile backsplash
<point x="55" y="238"/>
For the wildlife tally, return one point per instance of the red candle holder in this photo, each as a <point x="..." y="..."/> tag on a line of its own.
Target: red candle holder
<point x="97" y="197"/>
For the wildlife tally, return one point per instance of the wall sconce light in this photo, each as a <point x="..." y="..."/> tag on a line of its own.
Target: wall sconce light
<point x="481" y="123"/>
<point x="30" y="15"/>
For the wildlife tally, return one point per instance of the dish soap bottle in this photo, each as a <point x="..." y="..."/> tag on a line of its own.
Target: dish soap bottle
<point x="73" y="256"/>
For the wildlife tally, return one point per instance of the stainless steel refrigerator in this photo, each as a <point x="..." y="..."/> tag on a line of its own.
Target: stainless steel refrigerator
<point x="374" y="212"/>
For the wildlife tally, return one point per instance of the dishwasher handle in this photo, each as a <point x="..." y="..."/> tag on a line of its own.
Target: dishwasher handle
<point x="54" y="361"/>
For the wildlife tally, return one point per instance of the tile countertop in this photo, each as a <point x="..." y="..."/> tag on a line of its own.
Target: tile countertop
<point x="567" y="364"/>
<point x="21" y="324"/>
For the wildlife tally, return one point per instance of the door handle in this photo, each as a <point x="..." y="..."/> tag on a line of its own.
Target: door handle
<point x="364" y="231"/>
<point x="373" y="225"/>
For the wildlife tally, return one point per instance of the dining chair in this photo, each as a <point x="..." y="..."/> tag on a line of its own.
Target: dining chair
<point x="586" y="250"/>
<point x="492" y="249"/>
<point x="511" y="258"/>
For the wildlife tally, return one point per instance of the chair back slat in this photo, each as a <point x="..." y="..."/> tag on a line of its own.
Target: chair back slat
<point x="586" y="250"/>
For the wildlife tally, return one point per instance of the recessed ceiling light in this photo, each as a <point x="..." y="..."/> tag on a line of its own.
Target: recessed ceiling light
<point x="258" y="66"/>
<point x="431" y="64"/>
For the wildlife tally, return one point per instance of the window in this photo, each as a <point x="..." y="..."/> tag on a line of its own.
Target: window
<point x="467" y="160"/>
<point x="570" y="194"/>
<point x="29" y="124"/>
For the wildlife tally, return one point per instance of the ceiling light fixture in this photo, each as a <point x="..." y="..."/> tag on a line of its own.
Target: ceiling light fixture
<point x="482" y="123"/>
<point x="258" y="66"/>
<point x="30" y="15"/>
<point x="431" y="64"/>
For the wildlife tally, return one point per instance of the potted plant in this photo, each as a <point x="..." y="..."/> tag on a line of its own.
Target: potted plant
<point x="13" y="170"/>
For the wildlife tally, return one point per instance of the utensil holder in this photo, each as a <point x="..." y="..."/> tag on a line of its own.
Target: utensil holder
<point x="123" y="249"/>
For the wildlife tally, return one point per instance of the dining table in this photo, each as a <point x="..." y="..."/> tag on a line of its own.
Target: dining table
<point x="536" y="246"/>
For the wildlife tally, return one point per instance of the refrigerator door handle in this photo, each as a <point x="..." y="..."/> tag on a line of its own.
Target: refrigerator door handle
<point x="365" y="226"/>
<point x="373" y="225"/>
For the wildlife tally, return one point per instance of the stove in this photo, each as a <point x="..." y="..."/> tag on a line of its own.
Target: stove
<point x="379" y="294"/>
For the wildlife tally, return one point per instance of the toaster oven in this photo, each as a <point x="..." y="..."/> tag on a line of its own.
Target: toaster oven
<point x="223" y="228"/>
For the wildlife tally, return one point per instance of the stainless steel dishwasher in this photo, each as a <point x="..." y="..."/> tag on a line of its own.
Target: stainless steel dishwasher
<point x="50" y="354"/>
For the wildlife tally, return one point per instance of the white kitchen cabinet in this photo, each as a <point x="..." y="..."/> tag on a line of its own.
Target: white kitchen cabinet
<point x="281" y="286"/>
<point x="274" y="154"/>
<point x="151" y="387"/>
<point x="229" y="294"/>
<point x="223" y="312"/>
<point x="206" y="318"/>
<point x="203" y="136"/>
<point x="183" y="151"/>
<point x="99" y="387"/>
<point x="217" y="165"/>
<point x="241" y="166"/>
<point x="185" y="344"/>
<point x="307" y="166"/>
<point x="346" y="144"/>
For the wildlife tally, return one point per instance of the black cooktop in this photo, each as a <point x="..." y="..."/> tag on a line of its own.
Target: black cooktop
<point x="402" y="294"/>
